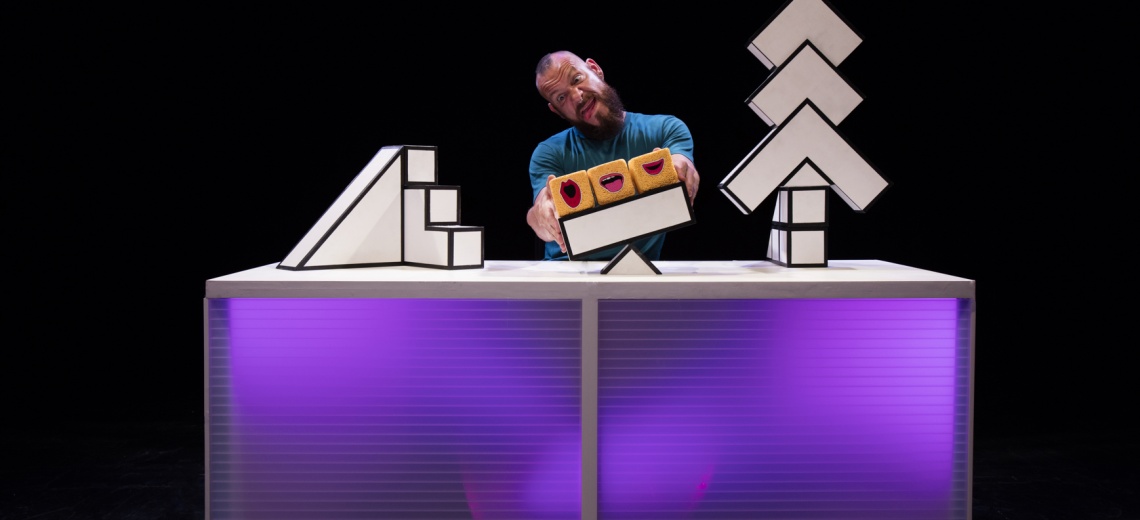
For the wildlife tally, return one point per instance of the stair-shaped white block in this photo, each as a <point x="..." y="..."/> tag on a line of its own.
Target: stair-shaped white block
<point x="372" y="224"/>
<point x="431" y="236"/>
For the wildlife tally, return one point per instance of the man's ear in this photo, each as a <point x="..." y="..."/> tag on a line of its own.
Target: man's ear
<point x="593" y="65"/>
<point x="556" y="112"/>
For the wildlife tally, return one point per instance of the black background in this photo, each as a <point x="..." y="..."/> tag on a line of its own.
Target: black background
<point x="154" y="150"/>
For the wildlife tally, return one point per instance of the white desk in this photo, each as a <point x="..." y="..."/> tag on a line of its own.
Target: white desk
<point x="533" y="279"/>
<point x="534" y="390"/>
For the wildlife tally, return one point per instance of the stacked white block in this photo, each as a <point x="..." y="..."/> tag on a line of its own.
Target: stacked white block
<point x="799" y="222"/>
<point x="432" y="234"/>
<point x="803" y="100"/>
<point x="392" y="213"/>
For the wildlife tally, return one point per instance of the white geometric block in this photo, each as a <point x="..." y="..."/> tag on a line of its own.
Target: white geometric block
<point x="798" y="247"/>
<point x="800" y="20"/>
<point x="443" y="205"/>
<point x="804" y="99"/>
<point x="806" y="134"/>
<point x="362" y="226"/>
<point x="392" y="213"/>
<point x="807" y="75"/>
<point x="466" y="247"/>
<point x="630" y="261"/>
<point x="777" y="246"/>
<point x="442" y="246"/>
<point x="626" y="220"/>
<point x="806" y="176"/>
<point x="807" y="248"/>
<point x="421" y="164"/>
<point x="422" y="245"/>
<point x="801" y="206"/>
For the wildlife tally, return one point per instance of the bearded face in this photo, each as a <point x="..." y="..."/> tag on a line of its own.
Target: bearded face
<point x="610" y="123"/>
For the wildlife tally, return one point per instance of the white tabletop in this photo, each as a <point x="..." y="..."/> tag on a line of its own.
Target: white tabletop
<point x="577" y="279"/>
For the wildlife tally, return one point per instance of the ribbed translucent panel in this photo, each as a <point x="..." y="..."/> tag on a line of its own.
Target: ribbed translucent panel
<point x="332" y="409"/>
<point x="783" y="409"/>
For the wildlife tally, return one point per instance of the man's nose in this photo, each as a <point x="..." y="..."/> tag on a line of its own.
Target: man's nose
<point x="578" y="96"/>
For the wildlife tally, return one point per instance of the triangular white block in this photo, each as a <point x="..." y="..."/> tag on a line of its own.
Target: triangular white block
<point x="362" y="227"/>
<point x="630" y="260"/>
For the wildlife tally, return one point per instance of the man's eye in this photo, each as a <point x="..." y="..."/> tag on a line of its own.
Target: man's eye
<point x="577" y="78"/>
<point x="560" y="98"/>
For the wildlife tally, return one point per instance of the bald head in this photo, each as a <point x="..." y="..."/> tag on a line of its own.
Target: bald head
<point x="576" y="90"/>
<point x="549" y="59"/>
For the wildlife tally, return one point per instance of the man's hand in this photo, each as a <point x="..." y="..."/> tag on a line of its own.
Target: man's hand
<point x="687" y="173"/>
<point x="544" y="220"/>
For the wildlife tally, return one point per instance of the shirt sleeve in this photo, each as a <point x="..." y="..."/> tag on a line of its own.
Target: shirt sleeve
<point x="677" y="137"/>
<point x="543" y="163"/>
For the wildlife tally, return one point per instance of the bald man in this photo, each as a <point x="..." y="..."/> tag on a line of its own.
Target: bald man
<point x="601" y="131"/>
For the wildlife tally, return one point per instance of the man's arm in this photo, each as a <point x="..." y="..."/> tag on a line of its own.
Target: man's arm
<point x="677" y="138"/>
<point x="544" y="220"/>
<point x="687" y="172"/>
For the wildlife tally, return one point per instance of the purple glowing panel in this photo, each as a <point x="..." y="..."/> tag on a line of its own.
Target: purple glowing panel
<point x="392" y="408"/>
<point x="805" y="409"/>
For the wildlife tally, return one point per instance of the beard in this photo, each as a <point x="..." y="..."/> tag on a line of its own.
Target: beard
<point x="611" y="123"/>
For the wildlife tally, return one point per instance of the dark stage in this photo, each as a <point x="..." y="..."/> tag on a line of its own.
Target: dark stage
<point x="155" y="150"/>
<point x="150" y="470"/>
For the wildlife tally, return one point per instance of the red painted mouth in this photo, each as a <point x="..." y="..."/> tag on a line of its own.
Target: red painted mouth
<point x="570" y="193"/>
<point x="655" y="167"/>
<point x="612" y="182"/>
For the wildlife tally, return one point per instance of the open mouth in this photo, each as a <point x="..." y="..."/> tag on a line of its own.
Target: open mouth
<point x="570" y="193"/>
<point x="587" y="109"/>
<point x="655" y="167"/>
<point x="612" y="182"/>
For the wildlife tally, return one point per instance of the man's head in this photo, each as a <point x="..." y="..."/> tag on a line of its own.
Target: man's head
<point x="574" y="89"/>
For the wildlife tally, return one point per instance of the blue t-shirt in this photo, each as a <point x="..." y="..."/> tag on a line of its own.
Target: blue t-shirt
<point x="569" y="151"/>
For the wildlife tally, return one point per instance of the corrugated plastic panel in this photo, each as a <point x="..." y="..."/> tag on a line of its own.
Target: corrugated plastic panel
<point x="783" y="409"/>
<point x="394" y="409"/>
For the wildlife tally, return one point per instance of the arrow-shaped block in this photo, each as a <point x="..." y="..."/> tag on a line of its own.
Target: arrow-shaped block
<point x="806" y="75"/>
<point x="806" y="134"/>
<point x="800" y="20"/>
<point x="806" y="175"/>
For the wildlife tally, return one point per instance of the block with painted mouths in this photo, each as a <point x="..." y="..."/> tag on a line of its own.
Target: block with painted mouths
<point x="572" y="193"/>
<point x="653" y="170"/>
<point x="611" y="181"/>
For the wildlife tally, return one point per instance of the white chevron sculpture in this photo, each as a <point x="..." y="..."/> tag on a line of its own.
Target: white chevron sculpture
<point x="803" y="154"/>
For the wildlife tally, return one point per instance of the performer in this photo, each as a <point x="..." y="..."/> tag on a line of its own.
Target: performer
<point x="601" y="131"/>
